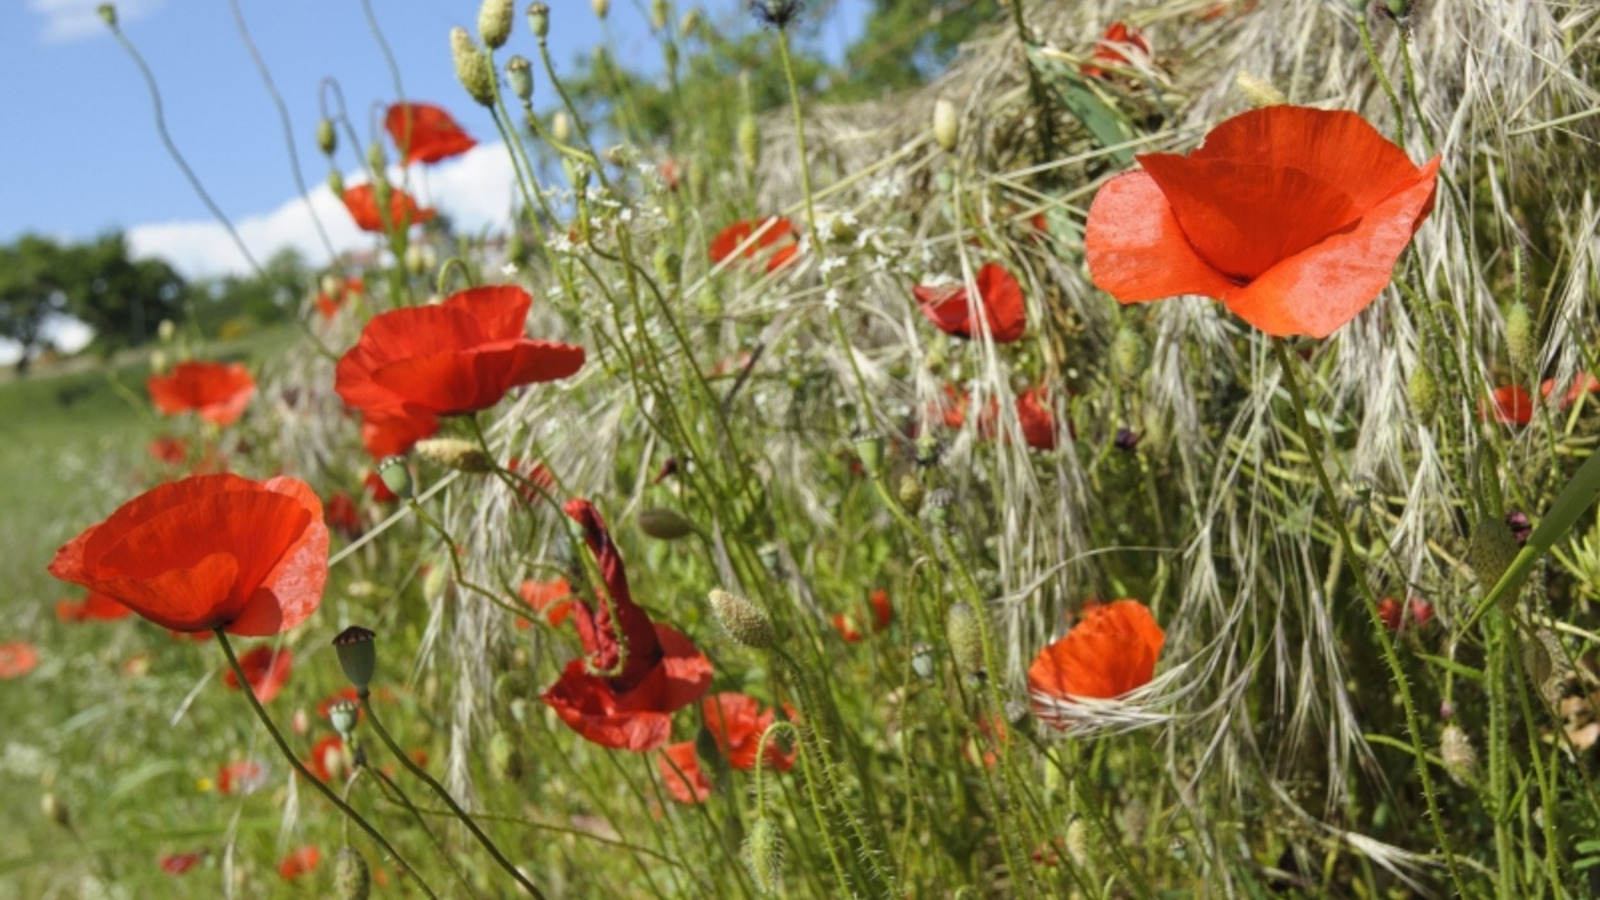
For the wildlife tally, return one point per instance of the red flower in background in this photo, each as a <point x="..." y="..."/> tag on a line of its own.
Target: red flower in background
<point x="216" y="392"/>
<point x="1512" y="406"/>
<point x="168" y="449"/>
<point x="452" y="359"/>
<point x="1037" y="421"/>
<point x="380" y="491"/>
<point x="728" y="240"/>
<point x="392" y="433"/>
<point x="176" y="864"/>
<point x="93" y="608"/>
<point x="882" y="615"/>
<point x="737" y="722"/>
<point x="950" y="307"/>
<point x="1293" y="217"/>
<point x="1110" y="652"/>
<point x="326" y="706"/>
<point x="329" y="304"/>
<point x="362" y="202"/>
<point x="246" y="776"/>
<point x="617" y="701"/>
<point x="266" y="669"/>
<point x="17" y="659"/>
<point x="341" y="513"/>
<point x="990" y="736"/>
<point x="327" y="758"/>
<point x="300" y="861"/>
<point x="211" y="551"/>
<point x="425" y="133"/>
<point x="552" y="598"/>
<point x="537" y="474"/>
<point x="1218" y="10"/>
<point x="680" y="772"/>
<point x="1112" y="48"/>
<point x="1582" y="383"/>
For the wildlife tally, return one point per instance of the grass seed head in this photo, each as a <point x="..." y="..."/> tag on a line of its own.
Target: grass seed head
<point x="455" y="453"/>
<point x="744" y="621"/>
<point x="494" y="22"/>
<point x="472" y="67"/>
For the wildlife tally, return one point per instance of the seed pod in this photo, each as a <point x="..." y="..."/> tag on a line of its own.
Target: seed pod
<point x="505" y="762"/>
<point x="869" y="449"/>
<point x="344" y="714"/>
<point x="601" y="7"/>
<point x="539" y="20"/>
<point x="561" y="127"/>
<point x="351" y="880"/>
<point x="965" y="637"/>
<point x="494" y="22"/>
<point x="1259" y="93"/>
<point x="336" y="182"/>
<point x="1520" y="344"/>
<point x="911" y="492"/>
<point x="664" y="524"/>
<point x="519" y="72"/>
<point x="357" y="650"/>
<point x="108" y="14"/>
<point x="667" y="264"/>
<point x="472" y="67"/>
<point x="327" y="138"/>
<point x="1455" y="748"/>
<point x="1129" y="354"/>
<point x="946" y="124"/>
<point x="763" y="851"/>
<point x="1423" y="390"/>
<point x="455" y="453"/>
<point x="744" y="621"/>
<point x="1491" y="551"/>
<point x="1399" y="8"/>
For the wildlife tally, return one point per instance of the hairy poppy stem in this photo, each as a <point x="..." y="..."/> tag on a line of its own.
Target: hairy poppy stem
<point x="1358" y="569"/>
<point x="283" y="745"/>
<point x="437" y="788"/>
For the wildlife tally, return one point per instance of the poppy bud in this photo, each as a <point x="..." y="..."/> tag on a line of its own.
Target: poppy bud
<point x="55" y="810"/>
<point x="601" y="7"/>
<point x="358" y="656"/>
<point x="520" y="73"/>
<point x="336" y="182"/>
<point x="690" y="23"/>
<point x="376" y="158"/>
<point x="1491" y="550"/>
<point x="505" y="763"/>
<point x="1455" y="748"/>
<point x="749" y="140"/>
<point x="744" y="621"/>
<point x="327" y="138"/>
<point x="1078" y="842"/>
<point x="167" y="330"/>
<point x="1259" y="93"/>
<point x="416" y="263"/>
<point x="395" y="476"/>
<point x="561" y="127"/>
<point x="472" y="68"/>
<point x="1129" y="354"/>
<point x="1519" y="337"/>
<point x="343" y="715"/>
<point x="965" y="637"/>
<point x="763" y="851"/>
<point x="1359" y="6"/>
<point x="351" y="880"/>
<point x="494" y="22"/>
<point x="158" y="362"/>
<point x="664" y="524"/>
<point x="1399" y="8"/>
<point x="658" y="14"/>
<point x="946" y="124"/>
<point x="455" y="453"/>
<point x="869" y="449"/>
<point x="911" y="492"/>
<point x="539" y="20"/>
<point x="108" y="14"/>
<point x="939" y="506"/>
<point x="1423" y="390"/>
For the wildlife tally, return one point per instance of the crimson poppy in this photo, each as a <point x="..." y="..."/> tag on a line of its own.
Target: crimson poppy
<point x="728" y="240"/>
<point x="210" y="551"/>
<point x="300" y="861"/>
<point x="362" y="202"/>
<point x="452" y="359"/>
<point x="266" y="669"/>
<point x="1111" y="48"/>
<point x="245" y="776"/>
<point x="96" y="607"/>
<point x="1037" y="421"/>
<point x="949" y="307"/>
<point x="168" y="449"/>
<point x="1110" y="652"/>
<point x="680" y="771"/>
<point x="736" y="723"/>
<point x="1293" y="217"/>
<point x="882" y="615"/>
<point x="391" y="433"/>
<point x="341" y="513"/>
<point x="1512" y="406"/>
<point x="329" y="304"/>
<point x="1582" y="383"/>
<point x="17" y="659"/>
<point x="328" y="759"/>
<point x="624" y="699"/>
<point x="425" y="133"/>
<point x="176" y="864"/>
<point x="216" y="392"/>
<point x="548" y="597"/>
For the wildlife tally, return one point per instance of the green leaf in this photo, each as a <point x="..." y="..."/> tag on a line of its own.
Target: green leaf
<point x="1106" y="123"/>
<point x="1451" y="665"/>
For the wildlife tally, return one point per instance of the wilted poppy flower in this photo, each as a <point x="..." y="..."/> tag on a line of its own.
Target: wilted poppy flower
<point x="1511" y="406"/>
<point x="1112" y="48"/>
<point x="216" y="392"/>
<point x="616" y="698"/>
<point x="167" y="449"/>
<point x="176" y="864"/>
<point x="680" y="772"/>
<point x="552" y="598"/>
<point x="392" y="432"/>
<point x="300" y="861"/>
<point x="17" y="659"/>
<point x="728" y="240"/>
<point x="267" y="670"/>
<point x="452" y="359"/>
<point x="1293" y="217"/>
<point x="212" y="551"/>
<point x="736" y="723"/>
<point x="93" y="608"/>
<point x="882" y="615"/>
<point x="246" y="776"/>
<point x="950" y="306"/>
<point x="328" y="759"/>
<point x="1037" y="421"/>
<point x="1112" y="651"/>
<point x="329" y="304"/>
<point x="425" y="133"/>
<point x="341" y="513"/>
<point x="1582" y="383"/>
<point x="362" y="202"/>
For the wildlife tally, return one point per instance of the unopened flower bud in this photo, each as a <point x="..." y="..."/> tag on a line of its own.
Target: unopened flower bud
<point x="667" y="264"/>
<point x="1520" y="343"/>
<point x="1491" y="551"/>
<point x="911" y="492"/>
<point x="472" y="67"/>
<point x="1129" y="354"/>
<point x="664" y="524"/>
<point x="351" y="879"/>
<point x="1423" y="390"/>
<point x="343" y="715"/>
<point x="946" y="124"/>
<point x="1399" y="8"/>
<point x="539" y="20"/>
<point x="455" y="453"/>
<point x="658" y="15"/>
<point x="1078" y="842"/>
<point x="55" y="810"/>
<point x="416" y="260"/>
<point x="494" y="22"/>
<point x="763" y="852"/>
<point x="561" y="127"/>
<point x="159" y="361"/>
<point x="108" y="14"/>
<point x="965" y="637"/>
<point x="357" y="650"/>
<point x="690" y="24"/>
<point x="601" y="7"/>
<point x="505" y="763"/>
<point x="749" y="140"/>
<point x="336" y="183"/>
<point x="376" y="157"/>
<point x="1455" y="748"/>
<point x="1258" y="93"/>
<point x="327" y="138"/>
<point x="520" y="73"/>
<point x="166" y="331"/>
<point x="744" y="621"/>
<point x="869" y="449"/>
<point x="396" y="476"/>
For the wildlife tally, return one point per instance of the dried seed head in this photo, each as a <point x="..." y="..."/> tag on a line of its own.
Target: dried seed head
<point x="664" y="524"/>
<point x="351" y="880"/>
<point x="946" y="124"/>
<point x="1423" y="390"/>
<point x="494" y="22"/>
<point x="357" y="650"/>
<point x="1257" y="92"/>
<point x="539" y="20"/>
<point x="1455" y="748"/>
<point x="763" y="850"/>
<point x="472" y="67"/>
<point x="1520" y="343"/>
<point x="1492" y="549"/>
<point x="519" y="72"/>
<point x="327" y="138"/>
<point x="964" y="634"/>
<point x="1078" y="842"/>
<point x="744" y="621"/>
<point x="455" y="453"/>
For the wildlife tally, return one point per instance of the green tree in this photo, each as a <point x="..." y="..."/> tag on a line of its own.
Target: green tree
<point x="260" y="299"/>
<point x="121" y="298"/>
<point x="906" y="42"/>
<point x="33" y="291"/>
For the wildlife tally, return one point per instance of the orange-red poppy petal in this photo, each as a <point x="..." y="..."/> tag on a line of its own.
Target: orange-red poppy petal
<point x="1135" y="249"/>
<point x="425" y="133"/>
<point x="1112" y="651"/>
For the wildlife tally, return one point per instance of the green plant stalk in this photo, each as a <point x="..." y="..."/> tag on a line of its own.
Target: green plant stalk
<point x="300" y="767"/>
<point x="572" y="110"/>
<point x="1500" y="797"/>
<point x="1410" y="78"/>
<point x="1358" y="570"/>
<point x="1383" y="79"/>
<point x="818" y="807"/>
<point x="433" y="839"/>
<point x="439" y="789"/>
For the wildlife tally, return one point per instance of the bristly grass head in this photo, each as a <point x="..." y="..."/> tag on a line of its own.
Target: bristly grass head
<point x="778" y="14"/>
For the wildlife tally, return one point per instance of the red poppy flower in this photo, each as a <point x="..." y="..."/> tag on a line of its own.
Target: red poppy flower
<point x="950" y="307"/>
<point x="668" y="170"/>
<point x="1111" y="651"/>
<point x="330" y="304"/>
<point x="391" y="433"/>
<point x="548" y="597"/>
<point x="424" y="133"/>
<point x="341" y="513"/>
<point x="882" y="615"/>
<point x="216" y="392"/>
<point x="362" y="202"/>
<point x="1389" y="612"/>
<point x="1218" y="10"/>
<point x="1582" y="383"/>
<point x="1512" y="406"/>
<point x="784" y="258"/>
<point x="299" y="862"/>
<point x="267" y="670"/>
<point x="452" y="359"/>
<point x="17" y="659"/>
<point x="616" y="700"/>
<point x="537" y="473"/>
<point x="212" y="551"/>
<point x="680" y="771"/>
<point x="989" y="736"/>
<point x="728" y="240"/>
<point x="737" y="722"/>
<point x="1037" y="421"/>
<point x="1292" y="217"/>
<point x="167" y="449"/>
<point x="176" y="864"/>
<point x="93" y="608"/>
<point x="327" y="758"/>
<point x="1112" y="45"/>
<point x="246" y="776"/>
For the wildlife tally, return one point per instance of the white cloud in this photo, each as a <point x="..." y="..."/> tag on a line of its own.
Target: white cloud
<point x="68" y="20"/>
<point x="475" y="190"/>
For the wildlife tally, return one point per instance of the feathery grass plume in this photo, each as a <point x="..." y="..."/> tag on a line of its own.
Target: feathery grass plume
<point x="1460" y="759"/>
<point x="1491" y="549"/>
<point x="1258" y="93"/>
<point x="472" y="67"/>
<point x="1077" y="841"/>
<point x="455" y="453"/>
<point x="744" y="621"/>
<point x="1521" y="343"/>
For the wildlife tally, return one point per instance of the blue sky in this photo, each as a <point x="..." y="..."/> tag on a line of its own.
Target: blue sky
<point x="91" y="160"/>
